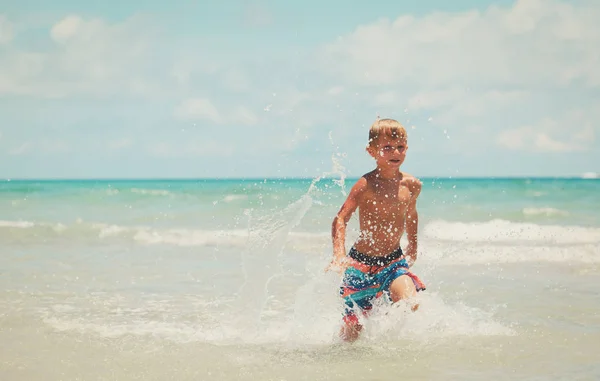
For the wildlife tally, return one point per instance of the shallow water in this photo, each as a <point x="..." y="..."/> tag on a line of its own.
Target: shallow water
<point x="202" y="280"/>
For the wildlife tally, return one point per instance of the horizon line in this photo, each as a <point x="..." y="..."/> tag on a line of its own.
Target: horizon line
<point x="504" y="177"/>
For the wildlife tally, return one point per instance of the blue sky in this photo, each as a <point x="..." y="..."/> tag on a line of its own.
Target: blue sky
<point x="271" y="88"/>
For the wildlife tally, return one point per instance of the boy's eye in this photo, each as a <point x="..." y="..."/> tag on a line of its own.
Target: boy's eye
<point x="391" y="148"/>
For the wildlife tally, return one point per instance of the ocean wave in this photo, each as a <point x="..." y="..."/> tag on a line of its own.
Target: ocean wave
<point x="494" y="231"/>
<point x="547" y="211"/>
<point x="474" y="242"/>
<point x="537" y="193"/>
<point x="31" y="232"/>
<point x="234" y="197"/>
<point x="313" y="319"/>
<point x="502" y="231"/>
<point x="16" y="224"/>
<point x="463" y="254"/>
<point x="151" y="192"/>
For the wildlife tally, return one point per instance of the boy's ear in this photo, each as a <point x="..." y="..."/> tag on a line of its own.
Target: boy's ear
<point x="370" y="150"/>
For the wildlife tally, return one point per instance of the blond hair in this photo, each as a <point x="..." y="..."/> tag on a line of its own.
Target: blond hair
<point x="386" y="127"/>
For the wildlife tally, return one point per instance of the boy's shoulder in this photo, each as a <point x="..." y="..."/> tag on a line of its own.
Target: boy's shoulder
<point x="410" y="178"/>
<point x="359" y="186"/>
<point x="407" y="178"/>
<point x="362" y="186"/>
<point x="412" y="182"/>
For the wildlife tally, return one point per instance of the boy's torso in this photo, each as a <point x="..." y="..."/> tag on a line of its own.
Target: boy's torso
<point x="382" y="212"/>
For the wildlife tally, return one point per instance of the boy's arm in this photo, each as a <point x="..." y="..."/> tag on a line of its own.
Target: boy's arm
<point x="338" y="227"/>
<point x="412" y="222"/>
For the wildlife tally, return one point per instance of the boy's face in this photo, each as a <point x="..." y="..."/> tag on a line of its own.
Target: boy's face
<point x="389" y="152"/>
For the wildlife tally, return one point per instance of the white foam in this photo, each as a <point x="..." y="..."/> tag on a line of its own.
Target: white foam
<point x="59" y="228"/>
<point x="234" y="197"/>
<point x="547" y="211"/>
<point x="434" y="319"/>
<point x="16" y="224"/>
<point x="152" y="192"/>
<point x="463" y="254"/>
<point x="145" y="235"/>
<point x="495" y="240"/>
<point x="190" y="237"/>
<point x="313" y="319"/>
<point x="110" y="230"/>
<point x="537" y="193"/>
<point x="502" y="231"/>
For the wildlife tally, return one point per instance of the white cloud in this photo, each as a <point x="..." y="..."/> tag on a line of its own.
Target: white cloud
<point x="204" y="109"/>
<point x="6" y="30"/>
<point x="191" y="149"/>
<point x="533" y="43"/>
<point x="243" y="115"/>
<point x="543" y="142"/>
<point x="43" y="146"/>
<point x="21" y="150"/>
<point x="197" y="109"/>
<point x="62" y="31"/>
<point x="456" y="107"/>
<point x="495" y="79"/>
<point x="85" y="56"/>
<point x="236" y="80"/>
<point x="256" y="14"/>
<point x="502" y="78"/>
<point x="336" y="90"/>
<point x="387" y="98"/>
<point x="184" y="68"/>
<point x="571" y="134"/>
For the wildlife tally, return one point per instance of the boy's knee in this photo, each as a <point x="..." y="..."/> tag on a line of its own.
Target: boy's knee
<point x="402" y="288"/>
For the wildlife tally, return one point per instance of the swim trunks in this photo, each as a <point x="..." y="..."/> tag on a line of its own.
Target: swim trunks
<point x="368" y="277"/>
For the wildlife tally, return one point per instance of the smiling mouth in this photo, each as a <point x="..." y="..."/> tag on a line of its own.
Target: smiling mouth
<point x="395" y="161"/>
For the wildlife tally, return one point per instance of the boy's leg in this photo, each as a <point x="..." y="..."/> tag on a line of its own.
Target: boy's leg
<point x="355" y="291"/>
<point x="351" y="328"/>
<point x="403" y="288"/>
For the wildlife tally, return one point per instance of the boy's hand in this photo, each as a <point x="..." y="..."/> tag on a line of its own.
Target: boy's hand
<point x="338" y="265"/>
<point x="411" y="254"/>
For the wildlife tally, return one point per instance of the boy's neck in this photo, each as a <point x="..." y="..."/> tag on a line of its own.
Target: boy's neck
<point x="388" y="173"/>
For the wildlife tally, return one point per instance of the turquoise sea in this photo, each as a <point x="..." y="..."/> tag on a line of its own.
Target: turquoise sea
<point x="214" y="279"/>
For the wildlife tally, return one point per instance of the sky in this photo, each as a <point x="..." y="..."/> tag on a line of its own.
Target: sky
<point x="259" y="88"/>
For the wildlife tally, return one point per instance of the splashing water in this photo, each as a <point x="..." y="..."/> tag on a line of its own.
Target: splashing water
<point x="260" y="261"/>
<point x="263" y="283"/>
<point x="312" y="313"/>
<point x="267" y="236"/>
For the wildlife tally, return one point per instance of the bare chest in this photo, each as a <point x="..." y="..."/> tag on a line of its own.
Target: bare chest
<point x="381" y="198"/>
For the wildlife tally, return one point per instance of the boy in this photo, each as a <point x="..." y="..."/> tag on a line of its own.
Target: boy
<point x="386" y="199"/>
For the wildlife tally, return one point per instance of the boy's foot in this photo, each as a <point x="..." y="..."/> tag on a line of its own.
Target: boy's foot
<point x="351" y="329"/>
<point x="350" y="333"/>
